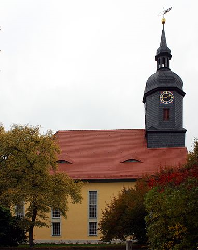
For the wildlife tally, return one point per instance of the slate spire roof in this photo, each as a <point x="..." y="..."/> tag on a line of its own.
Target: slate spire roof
<point x="164" y="78"/>
<point x="163" y="46"/>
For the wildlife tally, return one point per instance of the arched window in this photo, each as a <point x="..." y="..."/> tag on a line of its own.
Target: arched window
<point x="163" y="62"/>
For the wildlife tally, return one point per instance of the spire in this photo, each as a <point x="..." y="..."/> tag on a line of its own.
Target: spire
<point x="163" y="46"/>
<point x="163" y="54"/>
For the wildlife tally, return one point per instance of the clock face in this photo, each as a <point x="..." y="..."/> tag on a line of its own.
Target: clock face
<point x="166" y="97"/>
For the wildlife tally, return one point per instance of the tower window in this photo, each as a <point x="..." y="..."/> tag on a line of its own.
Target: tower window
<point x="167" y="63"/>
<point x="166" y="114"/>
<point x="163" y="62"/>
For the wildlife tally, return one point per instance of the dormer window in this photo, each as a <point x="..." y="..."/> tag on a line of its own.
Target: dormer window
<point x="130" y="160"/>
<point x="64" y="161"/>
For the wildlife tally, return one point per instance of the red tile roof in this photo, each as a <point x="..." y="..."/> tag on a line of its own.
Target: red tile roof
<point x="101" y="154"/>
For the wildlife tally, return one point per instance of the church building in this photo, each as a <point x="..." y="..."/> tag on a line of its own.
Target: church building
<point x="109" y="160"/>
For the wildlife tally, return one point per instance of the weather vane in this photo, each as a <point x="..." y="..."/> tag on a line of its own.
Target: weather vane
<point x="164" y="12"/>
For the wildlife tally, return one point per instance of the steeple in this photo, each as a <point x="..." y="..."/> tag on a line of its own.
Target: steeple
<point x="163" y="99"/>
<point x="163" y="54"/>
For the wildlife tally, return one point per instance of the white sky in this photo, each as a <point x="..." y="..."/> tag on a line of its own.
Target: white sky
<point x="83" y="64"/>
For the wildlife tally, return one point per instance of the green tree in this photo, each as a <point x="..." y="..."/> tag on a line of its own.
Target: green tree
<point x="28" y="173"/>
<point x="192" y="160"/>
<point x="124" y="216"/>
<point x="172" y="220"/>
<point x="11" y="233"/>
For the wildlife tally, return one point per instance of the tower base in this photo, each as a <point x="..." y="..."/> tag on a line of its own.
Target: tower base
<point x="165" y="139"/>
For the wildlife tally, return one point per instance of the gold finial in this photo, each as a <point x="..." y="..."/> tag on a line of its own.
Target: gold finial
<point x="163" y="13"/>
<point x="163" y="20"/>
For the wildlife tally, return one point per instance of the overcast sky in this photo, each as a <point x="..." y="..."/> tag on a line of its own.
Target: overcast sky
<point x="83" y="64"/>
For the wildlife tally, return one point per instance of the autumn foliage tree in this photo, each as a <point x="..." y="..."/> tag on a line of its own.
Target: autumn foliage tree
<point x="28" y="174"/>
<point x="171" y="204"/>
<point x="125" y="214"/>
<point x="167" y="202"/>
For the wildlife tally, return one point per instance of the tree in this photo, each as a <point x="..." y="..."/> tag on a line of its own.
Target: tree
<point x="192" y="159"/>
<point x="11" y="233"/>
<point x="28" y="173"/>
<point x="124" y="216"/>
<point x="172" y="204"/>
<point x="174" y="212"/>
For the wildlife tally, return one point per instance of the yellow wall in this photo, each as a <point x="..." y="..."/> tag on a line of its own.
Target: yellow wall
<point x="75" y="227"/>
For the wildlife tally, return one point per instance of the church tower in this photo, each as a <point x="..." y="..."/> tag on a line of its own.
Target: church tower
<point x="163" y="99"/>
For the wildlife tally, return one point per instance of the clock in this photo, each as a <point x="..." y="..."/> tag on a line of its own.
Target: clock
<point x="166" y="97"/>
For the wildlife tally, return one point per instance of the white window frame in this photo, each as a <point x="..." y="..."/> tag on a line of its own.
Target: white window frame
<point x="21" y="213"/>
<point x="95" y="223"/>
<point x="95" y="218"/>
<point x="94" y="205"/>
<point x="57" y="222"/>
<point x="55" y="219"/>
<point x="54" y="211"/>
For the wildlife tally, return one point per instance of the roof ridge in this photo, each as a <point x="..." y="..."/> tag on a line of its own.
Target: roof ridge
<point x="97" y="130"/>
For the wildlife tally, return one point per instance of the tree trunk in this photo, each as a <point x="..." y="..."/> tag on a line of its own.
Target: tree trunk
<point x="31" y="228"/>
<point x="31" y="236"/>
